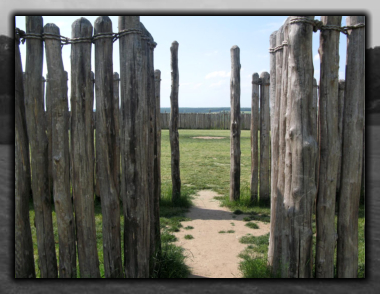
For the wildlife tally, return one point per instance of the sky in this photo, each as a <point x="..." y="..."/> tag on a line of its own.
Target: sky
<point x="204" y="58"/>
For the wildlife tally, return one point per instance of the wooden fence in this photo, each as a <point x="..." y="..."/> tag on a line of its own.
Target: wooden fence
<point x="217" y="121"/>
<point x="307" y="145"/>
<point x="62" y="150"/>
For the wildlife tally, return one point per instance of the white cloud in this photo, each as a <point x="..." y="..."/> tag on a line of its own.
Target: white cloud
<point x="316" y="57"/>
<point x="218" y="84"/>
<point x="215" y="74"/>
<point x="196" y="86"/>
<point x="211" y="53"/>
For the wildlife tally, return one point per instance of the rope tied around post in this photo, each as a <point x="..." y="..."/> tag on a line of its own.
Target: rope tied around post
<point x="318" y="25"/>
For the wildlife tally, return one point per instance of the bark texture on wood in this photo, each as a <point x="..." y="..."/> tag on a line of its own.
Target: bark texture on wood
<point x="340" y="130"/>
<point x="264" y="140"/>
<point x="105" y="149"/>
<point x="116" y="118"/>
<point x="303" y="146"/>
<point x="173" y="127"/>
<point x="235" y="124"/>
<point x="328" y="146"/>
<point x="60" y="155"/>
<point x="35" y="120"/>
<point x="82" y="149"/>
<point x="134" y="155"/>
<point x="255" y="138"/>
<point x="24" y="256"/>
<point x="274" y="249"/>
<point x="352" y="153"/>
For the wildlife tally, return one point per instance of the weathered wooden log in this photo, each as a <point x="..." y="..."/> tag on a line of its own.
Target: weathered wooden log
<point x="314" y="116"/>
<point x="106" y="137"/>
<point x="328" y="146"/>
<point x="36" y="125"/>
<point x="340" y="131"/>
<point x="24" y="256"/>
<point x="157" y="80"/>
<point x="352" y="152"/>
<point x="264" y="140"/>
<point x="48" y="98"/>
<point x="60" y="155"/>
<point x="148" y="71"/>
<point x="134" y="156"/>
<point x="235" y="124"/>
<point x="303" y="146"/>
<point x="255" y="138"/>
<point x="274" y="249"/>
<point x="82" y="149"/>
<point x="116" y="118"/>
<point x="173" y="126"/>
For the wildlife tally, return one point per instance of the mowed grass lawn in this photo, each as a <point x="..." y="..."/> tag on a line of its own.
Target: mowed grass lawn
<point x="204" y="164"/>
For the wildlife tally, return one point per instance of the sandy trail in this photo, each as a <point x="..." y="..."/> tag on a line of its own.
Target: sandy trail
<point x="212" y="254"/>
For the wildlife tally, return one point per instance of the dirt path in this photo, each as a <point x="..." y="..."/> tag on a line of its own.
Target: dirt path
<point x="212" y="254"/>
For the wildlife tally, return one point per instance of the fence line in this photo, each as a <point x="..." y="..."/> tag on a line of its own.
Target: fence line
<point x="290" y="244"/>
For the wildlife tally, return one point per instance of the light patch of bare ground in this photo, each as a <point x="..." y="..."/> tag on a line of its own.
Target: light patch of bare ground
<point x="212" y="254"/>
<point x="209" y="138"/>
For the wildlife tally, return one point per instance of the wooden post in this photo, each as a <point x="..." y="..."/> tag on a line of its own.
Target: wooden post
<point x="116" y="118"/>
<point x="24" y="256"/>
<point x="255" y="138"/>
<point x="106" y="137"/>
<point x="36" y="125"/>
<point x="146" y="42"/>
<point x="264" y="140"/>
<point x="274" y="249"/>
<point x="235" y="124"/>
<point x="60" y="155"/>
<point x="157" y="80"/>
<point x="134" y="151"/>
<point x="315" y="122"/>
<point x="173" y="125"/>
<point x="303" y="147"/>
<point x="48" y="104"/>
<point x="328" y="146"/>
<point x="82" y="149"/>
<point x="352" y="152"/>
<point x="340" y="131"/>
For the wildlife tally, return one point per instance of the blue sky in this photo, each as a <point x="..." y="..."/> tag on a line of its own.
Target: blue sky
<point x="204" y="53"/>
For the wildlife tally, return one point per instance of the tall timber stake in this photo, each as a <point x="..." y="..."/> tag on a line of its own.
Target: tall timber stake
<point x="235" y="124"/>
<point x="329" y="147"/>
<point x="24" y="256"/>
<point x="274" y="249"/>
<point x="106" y="137"/>
<point x="82" y="148"/>
<point x="299" y="199"/>
<point x="264" y="140"/>
<point x="35" y="120"/>
<point x="340" y="130"/>
<point x="157" y="81"/>
<point x="60" y="155"/>
<point x="173" y="126"/>
<point x="352" y="152"/>
<point x="146" y="42"/>
<point x="134" y="155"/>
<point x="116" y="118"/>
<point x="255" y="137"/>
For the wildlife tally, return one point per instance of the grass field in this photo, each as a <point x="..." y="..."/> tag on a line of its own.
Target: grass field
<point x="204" y="164"/>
